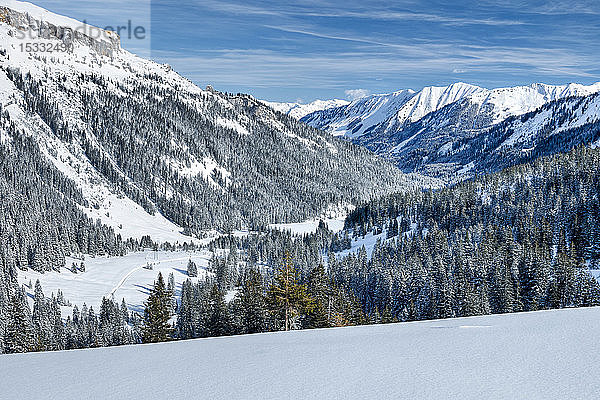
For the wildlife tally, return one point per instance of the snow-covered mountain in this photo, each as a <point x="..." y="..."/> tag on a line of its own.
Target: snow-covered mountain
<point x="299" y="110"/>
<point x="406" y="106"/>
<point x="153" y="154"/>
<point x="419" y="131"/>
<point x="359" y="116"/>
<point x="457" y="141"/>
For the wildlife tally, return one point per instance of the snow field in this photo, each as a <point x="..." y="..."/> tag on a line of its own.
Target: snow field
<point x="536" y="355"/>
<point x="119" y="277"/>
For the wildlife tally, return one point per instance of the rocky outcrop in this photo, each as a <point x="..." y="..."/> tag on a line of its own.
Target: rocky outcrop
<point x="101" y="41"/>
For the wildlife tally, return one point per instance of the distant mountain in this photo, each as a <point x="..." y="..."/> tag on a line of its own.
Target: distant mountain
<point x="358" y="117"/>
<point x="299" y="110"/>
<point x="458" y="141"/>
<point x="147" y="152"/>
<point x="421" y="131"/>
<point x="407" y="106"/>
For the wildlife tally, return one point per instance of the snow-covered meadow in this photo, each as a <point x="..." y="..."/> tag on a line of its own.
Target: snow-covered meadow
<point x="119" y="277"/>
<point x="536" y="355"/>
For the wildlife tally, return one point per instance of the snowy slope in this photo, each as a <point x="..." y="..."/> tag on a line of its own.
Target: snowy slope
<point x="537" y="355"/>
<point x="299" y="110"/>
<point x="360" y="116"/>
<point x="391" y="112"/>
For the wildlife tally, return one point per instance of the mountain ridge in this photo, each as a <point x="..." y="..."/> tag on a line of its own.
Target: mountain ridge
<point x="430" y="124"/>
<point x="136" y="136"/>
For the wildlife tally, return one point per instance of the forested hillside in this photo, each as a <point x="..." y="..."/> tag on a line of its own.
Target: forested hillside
<point x="460" y="131"/>
<point x="518" y="240"/>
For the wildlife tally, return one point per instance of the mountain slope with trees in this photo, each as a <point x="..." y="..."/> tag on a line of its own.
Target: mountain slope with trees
<point x="460" y="131"/>
<point x="126" y="128"/>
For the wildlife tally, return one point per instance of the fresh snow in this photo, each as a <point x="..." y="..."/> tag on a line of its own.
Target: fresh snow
<point x="536" y="355"/>
<point x="334" y="217"/>
<point x="116" y="277"/>
<point x="298" y="110"/>
<point x="406" y="106"/>
<point x="310" y="226"/>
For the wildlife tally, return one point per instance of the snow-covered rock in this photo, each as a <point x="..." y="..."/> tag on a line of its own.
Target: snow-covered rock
<point x="299" y="110"/>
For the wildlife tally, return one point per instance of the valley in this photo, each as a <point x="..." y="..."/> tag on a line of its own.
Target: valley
<point x="160" y="238"/>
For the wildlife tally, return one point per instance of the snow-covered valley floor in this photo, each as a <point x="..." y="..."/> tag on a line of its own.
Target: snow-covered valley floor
<point x="120" y="277"/>
<point x="538" y="355"/>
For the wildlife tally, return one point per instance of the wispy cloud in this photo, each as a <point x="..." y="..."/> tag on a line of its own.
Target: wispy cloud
<point x="366" y="12"/>
<point x="266" y="69"/>
<point x="355" y="94"/>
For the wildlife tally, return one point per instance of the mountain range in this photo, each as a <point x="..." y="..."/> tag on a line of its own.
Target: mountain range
<point x="213" y="214"/>
<point x="440" y="131"/>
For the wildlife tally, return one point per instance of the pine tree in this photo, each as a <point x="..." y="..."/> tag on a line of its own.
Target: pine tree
<point x="42" y="325"/>
<point x="219" y="320"/>
<point x="19" y="335"/>
<point x="192" y="269"/>
<point x="250" y="304"/>
<point x="321" y="292"/>
<point x="157" y="313"/>
<point x="286" y="296"/>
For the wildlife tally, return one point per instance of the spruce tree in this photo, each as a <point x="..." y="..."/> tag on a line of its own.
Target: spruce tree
<point x="321" y="292"/>
<point x="286" y="296"/>
<point x="157" y="313"/>
<point x="250" y="304"/>
<point x="219" y="320"/>
<point x="192" y="269"/>
<point x="19" y="336"/>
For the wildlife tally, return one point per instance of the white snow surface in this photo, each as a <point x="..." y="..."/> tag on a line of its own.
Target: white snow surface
<point x="536" y="355"/>
<point x="406" y="106"/>
<point x="334" y="217"/>
<point x="117" y="277"/>
<point x="300" y="228"/>
<point x="299" y="110"/>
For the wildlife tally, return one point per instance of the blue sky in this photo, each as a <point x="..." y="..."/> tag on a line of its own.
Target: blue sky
<point x="308" y="49"/>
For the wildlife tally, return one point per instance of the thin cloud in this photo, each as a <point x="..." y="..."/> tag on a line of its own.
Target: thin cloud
<point x="365" y="13"/>
<point x="355" y="94"/>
